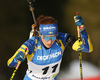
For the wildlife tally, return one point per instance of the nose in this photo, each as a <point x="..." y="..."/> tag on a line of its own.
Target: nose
<point x="50" y="41"/>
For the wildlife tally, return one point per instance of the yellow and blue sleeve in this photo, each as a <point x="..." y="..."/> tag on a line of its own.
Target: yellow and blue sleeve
<point x="12" y="61"/>
<point x="29" y="44"/>
<point x="86" y="45"/>
<point x="61" y="40"/>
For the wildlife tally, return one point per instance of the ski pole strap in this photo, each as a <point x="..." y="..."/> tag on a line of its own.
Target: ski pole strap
<point x="19" y="62"/>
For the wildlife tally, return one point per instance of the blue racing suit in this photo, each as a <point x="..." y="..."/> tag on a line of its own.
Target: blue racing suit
<point x="43" y="63"/>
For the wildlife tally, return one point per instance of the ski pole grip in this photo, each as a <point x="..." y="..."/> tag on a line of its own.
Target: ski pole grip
<point x="31" y="4"/>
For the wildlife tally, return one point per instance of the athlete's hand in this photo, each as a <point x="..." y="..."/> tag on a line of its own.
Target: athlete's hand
<point x="34" y="26"/>
<point x="79" y="21"/>
<point x="20" y="56"/>
<point x="34" y="29"/>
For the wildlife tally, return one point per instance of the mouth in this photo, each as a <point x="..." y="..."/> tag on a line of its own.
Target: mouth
<point x="49" y="45"/>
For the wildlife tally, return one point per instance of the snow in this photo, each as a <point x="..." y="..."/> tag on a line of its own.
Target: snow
<point x="73" y="72"/>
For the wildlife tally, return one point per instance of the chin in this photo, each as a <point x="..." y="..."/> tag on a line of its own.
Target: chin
<point x="48" y="46"/>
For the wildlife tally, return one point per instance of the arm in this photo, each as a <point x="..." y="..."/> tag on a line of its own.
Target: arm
<point x="19" y="55"/>
<point x="86" y="45"/>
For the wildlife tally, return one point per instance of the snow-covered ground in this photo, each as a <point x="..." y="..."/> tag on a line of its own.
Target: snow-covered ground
<point x="73" y="72"/>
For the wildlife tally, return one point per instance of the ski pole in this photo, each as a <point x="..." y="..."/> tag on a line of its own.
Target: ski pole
<point x="80" y="53"/>
<point x="19" y="62"/>
<point x="35" y="28"/>
<point x="32" y="11"/>
<point x="32" y="8"/>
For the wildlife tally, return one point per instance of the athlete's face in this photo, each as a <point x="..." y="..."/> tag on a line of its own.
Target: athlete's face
<point x="48" y="40"/>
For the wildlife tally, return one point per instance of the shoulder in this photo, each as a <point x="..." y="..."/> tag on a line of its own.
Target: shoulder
<point x="32" y="38"/>
<point x="62" y="35"/>
<point x="30" y="41"/>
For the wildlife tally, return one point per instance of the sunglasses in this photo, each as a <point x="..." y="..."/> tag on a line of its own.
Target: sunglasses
<point x="48" y="38"/>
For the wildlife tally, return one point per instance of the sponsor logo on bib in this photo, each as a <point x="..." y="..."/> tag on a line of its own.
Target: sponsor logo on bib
<point x="45" y="57"/>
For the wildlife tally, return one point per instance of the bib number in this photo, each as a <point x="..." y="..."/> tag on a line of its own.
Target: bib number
<point x="45" y="70"/>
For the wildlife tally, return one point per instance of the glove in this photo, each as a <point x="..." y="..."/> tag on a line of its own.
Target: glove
<point x="79" y="21"/>
<point x="20" y="56"/>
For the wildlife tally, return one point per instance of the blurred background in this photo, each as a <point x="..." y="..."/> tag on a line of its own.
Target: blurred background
<point x="15" y="25"/>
